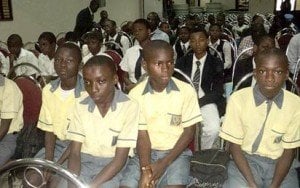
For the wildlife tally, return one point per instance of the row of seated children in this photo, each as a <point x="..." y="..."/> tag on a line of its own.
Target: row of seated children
<point x="154" y="107"/>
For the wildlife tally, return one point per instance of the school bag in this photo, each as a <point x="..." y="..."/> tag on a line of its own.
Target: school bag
<point x="209" y="168"/>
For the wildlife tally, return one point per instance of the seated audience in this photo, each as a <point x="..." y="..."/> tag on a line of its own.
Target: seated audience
<point x="11" y="117"/>
<point x="262" y="127"/>
<point x="165" y="129"/>
<point x="182" y="44"/>
<point x="156" y="34"/>
<point x="104" y="111"/>
<point x="206" y="72"/>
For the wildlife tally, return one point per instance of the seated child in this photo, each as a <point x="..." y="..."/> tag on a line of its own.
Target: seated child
<point x="11" y="117"/>
<point x="58" y="100"/>
<point x="169" y="112"/>
<point x="131" y="63"/>
<point x="262" y="127"/>
<point x="47" y="45"/>
<point x="104" y="126"/>
<point x="182" y="45"/>
<point x="94" y="42"/>
<point x="19" y="55"/>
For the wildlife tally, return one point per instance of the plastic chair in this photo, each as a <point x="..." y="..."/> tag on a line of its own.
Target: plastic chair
<point x="239" y="58"/>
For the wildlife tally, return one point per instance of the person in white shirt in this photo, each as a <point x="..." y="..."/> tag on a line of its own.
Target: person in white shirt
<point x="47" y="44"/>
<point x="156" y="34"/>
<point x="19" y="55"/>
<point x="132" y="60"/>
<point x="123" y="42"/>
<point x="4" y="64"/>
<point x="94" y="43"/>
<point x="239" y="28"/>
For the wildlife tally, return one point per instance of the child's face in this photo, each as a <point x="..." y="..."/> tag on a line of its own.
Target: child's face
<point x="215" y="32"/>
<point x="270" y="74"/>
<point x="160" y="67"/>
<point x="165" y="27"/>
<point x="198" y="42"/>
<point x="109" y="28"/>
<point x="14" y="48"/>
<point x="184" y="34"/>
<point x="46" y="47"/>
<point x="66" y="63"/>
<point x="94" y="46"/>
<point x="140" y="32"/>
<point x="99" y="82"/>
<point x="267" y="43"/>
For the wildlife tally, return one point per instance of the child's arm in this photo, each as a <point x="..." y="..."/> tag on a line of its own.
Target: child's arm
<point x="50" y="139"/>
<point x="74" y="162"/>
<point x="144" y="153"/>
<point x="65" y="155"/>
<point x="114" y="167"/>
<point x="242" y="164"/>
<point x="4" y="127"/>
<point x="282" y="167"/>
<point x="160" y="165"/>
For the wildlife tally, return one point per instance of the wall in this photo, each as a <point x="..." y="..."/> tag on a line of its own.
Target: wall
<point x="261" y="6"/>
<point x="32" y="17"/>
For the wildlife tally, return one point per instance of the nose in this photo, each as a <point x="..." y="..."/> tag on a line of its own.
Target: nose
<point x="270" y="76"/>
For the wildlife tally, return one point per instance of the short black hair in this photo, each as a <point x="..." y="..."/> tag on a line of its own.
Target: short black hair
<point x="113" y="23"/>
<point x="72" y="46"/>
<point x="101" y="60"/>
<point x="262" y="38"/>
<point x="95" y="35"/>
<point x="217" y="25"/>
<point x="153" y="46"/>
<point x="199" y="29"/>
<point x="278" y="53"/>
<point x="143" y="22"/>
<point x="15" y="38"/>
<point x="48" y="36"/>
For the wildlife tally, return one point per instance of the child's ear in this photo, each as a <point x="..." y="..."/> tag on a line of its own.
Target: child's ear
<point x="116" y="79"/>
<point x="144" y="65"/>
<point x="254" y="49"/>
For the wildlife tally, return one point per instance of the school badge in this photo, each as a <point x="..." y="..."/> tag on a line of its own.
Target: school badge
<point x="175" y="120"/>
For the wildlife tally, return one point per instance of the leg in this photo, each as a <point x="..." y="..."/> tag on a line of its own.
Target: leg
<point x="131" y="174"/>
<point x="7" y="147"/>
<point x="211" y="125"/>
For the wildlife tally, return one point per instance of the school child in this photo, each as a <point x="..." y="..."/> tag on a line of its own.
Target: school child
<point x="104" y="126"/>
<point x="169" y="112"/>
<point x="182" y="44"/>
<point x="58" y="100"/>
<point x="19" y="55"/>
<point x="47" y="45"/>
<point x="11" y="117"/>
<point x="132" y="61"/>
<point x="94" y="43"/>
<point x="262" y="127"/>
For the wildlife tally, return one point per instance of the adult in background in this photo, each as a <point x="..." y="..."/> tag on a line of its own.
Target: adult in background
<point x="85" y="18"/>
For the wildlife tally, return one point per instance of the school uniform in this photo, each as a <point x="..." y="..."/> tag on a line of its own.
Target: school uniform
<point x="11" y="107"/>
<point x="129" y="61"/>
<point x="46" y="65"/>
<point x="118" y="129"/>
<point x="172" y="110"/>
<point x="123" y="42"/>
<point x="263" y="128"/>
<point x="57" y="106"/>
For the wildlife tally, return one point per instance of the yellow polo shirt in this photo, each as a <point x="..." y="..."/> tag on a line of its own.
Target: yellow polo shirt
<point x="246" y="113"/>
<point x="165" y="114"/>
<point x="11" y="104"/>
<point x="100" y="136"/>
<point x="56" y="110"/>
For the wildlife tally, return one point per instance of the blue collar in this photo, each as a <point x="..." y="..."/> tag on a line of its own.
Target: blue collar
<point x="78" y="88"/>
<point x="259" y="98"/>
<point x="119" y="97"/>
<point x="2" y="80"/>
<point x="171" y="86"/>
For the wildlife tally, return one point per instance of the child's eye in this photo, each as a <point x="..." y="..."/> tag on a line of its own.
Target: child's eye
<point x="87" y="82"/>
<point x="101" y="81"/>
<point x="278" y="72"/>
<point x="261" y="71"/>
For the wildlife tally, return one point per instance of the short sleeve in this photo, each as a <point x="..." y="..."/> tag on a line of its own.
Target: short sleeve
<point x="45" y="120"/>
<point x="128" y="135"/>
<point x="12" y="100"/>
<point x="124" y="64"/>
<point x="291" y="139"/>
<point x="75" y="129"/>
<point x="231" y="129"/>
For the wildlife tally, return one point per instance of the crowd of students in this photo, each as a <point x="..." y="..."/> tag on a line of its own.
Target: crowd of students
<point x="138" y="135"/>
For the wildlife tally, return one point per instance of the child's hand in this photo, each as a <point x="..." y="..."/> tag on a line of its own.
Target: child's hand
<point x="158" y="168"/>
<point x="145" y="180"/>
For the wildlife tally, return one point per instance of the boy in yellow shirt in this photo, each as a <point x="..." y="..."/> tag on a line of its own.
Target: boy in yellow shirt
<point x="262" y="125"/>
<point x="104" y="126"/>
<point x="169" y="112"/>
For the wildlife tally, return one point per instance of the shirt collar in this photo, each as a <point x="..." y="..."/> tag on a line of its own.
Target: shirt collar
<point x="78" y="88"/>
<point x="259" y="98"/>
<point x="202" y="59"/>
<point x="22" y="53"/>
<point x="118" y="98"/>
<point x="2" y="80"/>
<point x="171" y="86"/>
